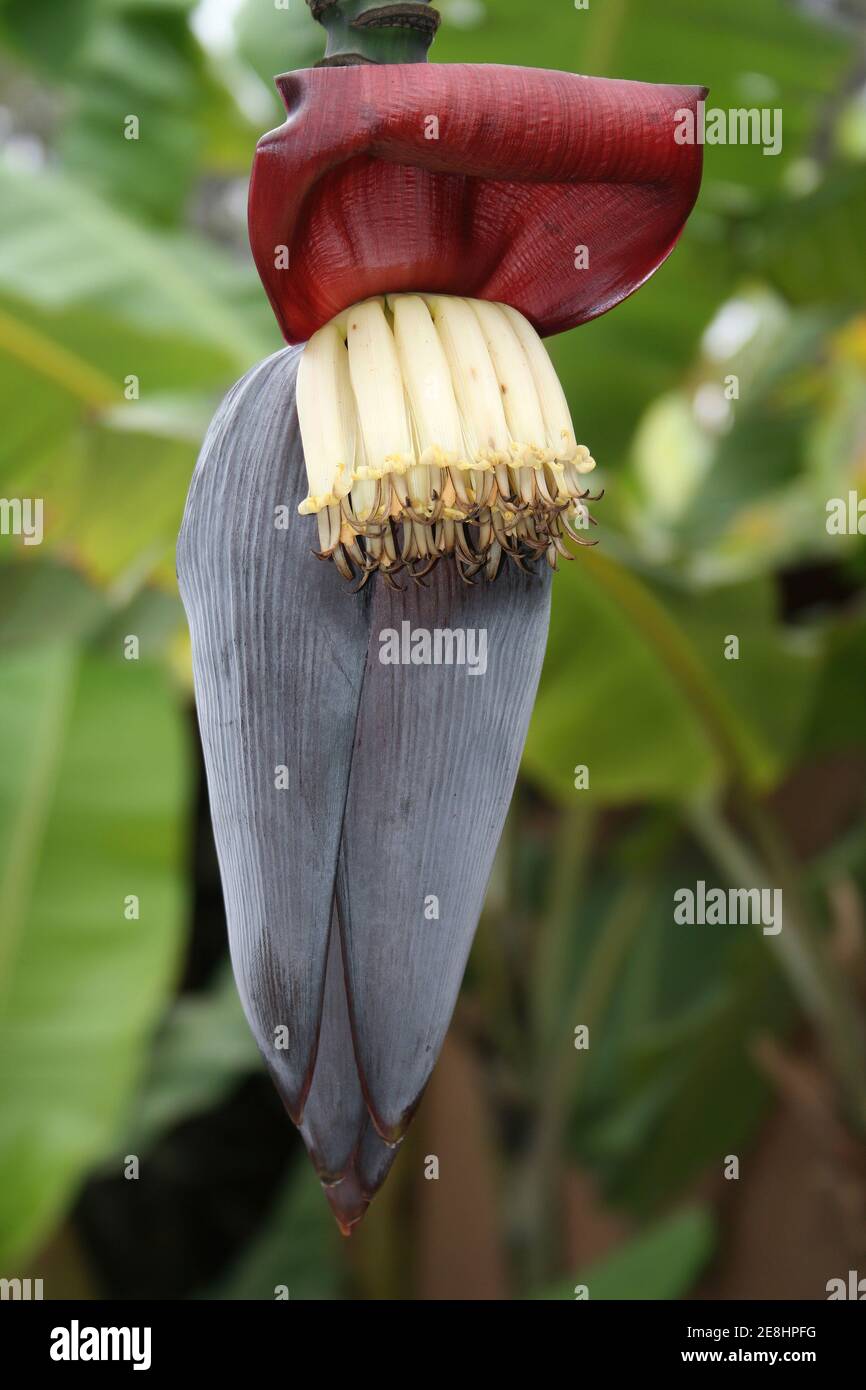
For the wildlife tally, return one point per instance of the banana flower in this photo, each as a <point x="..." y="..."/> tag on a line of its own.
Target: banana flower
<point x="418" y="230"/>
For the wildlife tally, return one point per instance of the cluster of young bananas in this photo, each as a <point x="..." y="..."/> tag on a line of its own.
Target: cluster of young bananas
<point x="436" y="426"/>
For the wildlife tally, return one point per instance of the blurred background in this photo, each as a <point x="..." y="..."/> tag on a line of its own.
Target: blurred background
<point x="143" y="1151"/>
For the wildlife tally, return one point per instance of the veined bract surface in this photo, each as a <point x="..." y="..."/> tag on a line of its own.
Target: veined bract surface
<point x="345" y="790"/>
<point x="419" y="439"/>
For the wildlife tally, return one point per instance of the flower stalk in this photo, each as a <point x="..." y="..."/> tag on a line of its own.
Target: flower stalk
<point x="361" y="32"/>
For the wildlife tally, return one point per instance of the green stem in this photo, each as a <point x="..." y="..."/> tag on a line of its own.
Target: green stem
<point x="561" y="1081"/>
<point x="360" y="31"/>
<point x="607" y="23"/>
<point x="551" y="967"/>
<point x="801" y="951"/>
<point x="491" y="952"/>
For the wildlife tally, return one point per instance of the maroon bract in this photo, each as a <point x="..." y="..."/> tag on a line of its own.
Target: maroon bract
<point x="471" y="180"/>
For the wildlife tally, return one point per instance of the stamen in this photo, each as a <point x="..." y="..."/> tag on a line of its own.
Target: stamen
<point x="435" y="427"/>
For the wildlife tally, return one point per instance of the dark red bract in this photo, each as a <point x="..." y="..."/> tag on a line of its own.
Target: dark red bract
<point x="468" y="179"/>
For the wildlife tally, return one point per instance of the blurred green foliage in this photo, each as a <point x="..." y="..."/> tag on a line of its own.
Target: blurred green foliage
<point x="83" y="972"/>
<point x="661" y="1263"/>
<point x="128" y="304"/>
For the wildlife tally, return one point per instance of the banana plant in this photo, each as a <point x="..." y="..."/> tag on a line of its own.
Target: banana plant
<point x="419" y="230"/>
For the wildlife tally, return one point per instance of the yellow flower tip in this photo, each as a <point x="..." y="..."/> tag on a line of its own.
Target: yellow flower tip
<point x="434" y="425"/>
<point x="434" y="456"/>
<point x="531" y="455"/>
<point x="311" y="505"/>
